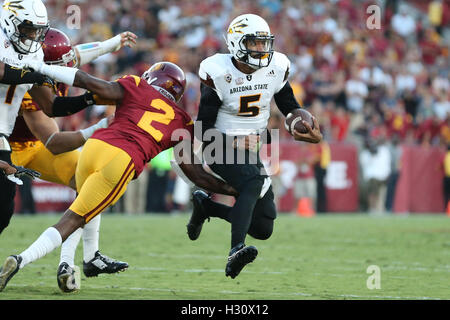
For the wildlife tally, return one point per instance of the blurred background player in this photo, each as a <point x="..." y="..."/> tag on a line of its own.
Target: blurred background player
<point x="147" y="121"/>
<point x="38" y="144"/>
<point x="236" y="92"/>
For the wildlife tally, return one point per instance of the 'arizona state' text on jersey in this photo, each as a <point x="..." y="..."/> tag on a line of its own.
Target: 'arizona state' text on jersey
<point x="245" y="97"/>
<point x="144" y="122"/>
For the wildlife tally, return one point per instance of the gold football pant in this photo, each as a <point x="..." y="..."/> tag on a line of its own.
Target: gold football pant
<point x="102" y="176"/>
<point x="54" y="168"/>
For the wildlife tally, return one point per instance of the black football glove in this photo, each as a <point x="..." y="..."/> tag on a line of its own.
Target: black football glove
<point x="21" y="171"/>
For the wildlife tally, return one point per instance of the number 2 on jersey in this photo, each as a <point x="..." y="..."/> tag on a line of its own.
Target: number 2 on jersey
<point x="145" y="123"/>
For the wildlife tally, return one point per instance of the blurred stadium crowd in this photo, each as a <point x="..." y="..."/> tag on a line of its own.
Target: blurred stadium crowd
<point x="367" y="87"/>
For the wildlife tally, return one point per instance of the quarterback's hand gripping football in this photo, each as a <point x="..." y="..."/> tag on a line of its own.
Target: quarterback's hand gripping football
<point x="312" y="136"/>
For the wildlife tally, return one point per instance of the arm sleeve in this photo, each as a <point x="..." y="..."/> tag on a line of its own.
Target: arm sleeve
<point x="285" y="100"/>
<point x="208" y="109"/>
<point x="15" y="76"/>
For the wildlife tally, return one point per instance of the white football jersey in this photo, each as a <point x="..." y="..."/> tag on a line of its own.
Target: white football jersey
<point x="245" y="97"/>
<point x="11" y="95"/>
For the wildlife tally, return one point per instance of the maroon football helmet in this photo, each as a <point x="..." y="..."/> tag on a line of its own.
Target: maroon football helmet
<point x="167" y="76"/>
<point x="57" y="49"/>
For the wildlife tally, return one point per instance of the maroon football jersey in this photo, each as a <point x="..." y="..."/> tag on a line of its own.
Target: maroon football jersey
<point x="144" y="122"/>
<point x="21" y="132"/>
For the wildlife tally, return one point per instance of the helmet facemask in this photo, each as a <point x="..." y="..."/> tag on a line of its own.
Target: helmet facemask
<point x="255" y="50"/>
<point x="250" y="41"/>
<point x="28" y="38"/>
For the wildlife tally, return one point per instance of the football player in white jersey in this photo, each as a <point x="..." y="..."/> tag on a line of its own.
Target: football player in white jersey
<point x="236" y="91"/>
<point x="23" y="28"/>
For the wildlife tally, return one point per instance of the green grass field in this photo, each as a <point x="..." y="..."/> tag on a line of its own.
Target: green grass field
<point x="325" y="257"/>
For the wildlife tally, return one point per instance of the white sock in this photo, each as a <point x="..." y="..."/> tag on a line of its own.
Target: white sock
<point x="90" y="238"/>
<point x="49" y="240"/>
<point x="69" y="247"/>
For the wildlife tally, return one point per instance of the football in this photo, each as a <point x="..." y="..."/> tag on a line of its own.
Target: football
<point x="294" y="121"/>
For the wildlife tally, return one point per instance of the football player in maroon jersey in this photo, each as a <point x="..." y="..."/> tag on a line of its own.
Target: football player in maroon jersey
<point x="147" y="121"/>
<point x="37" y="144"/>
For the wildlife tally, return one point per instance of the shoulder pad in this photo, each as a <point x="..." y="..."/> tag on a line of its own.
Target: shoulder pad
<point x="282" y="63"/>
<point x="213" y="66"/>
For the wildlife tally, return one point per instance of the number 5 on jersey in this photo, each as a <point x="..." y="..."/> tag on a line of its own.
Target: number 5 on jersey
<point x="247" y="110"/>
<point x="145" y="123"/>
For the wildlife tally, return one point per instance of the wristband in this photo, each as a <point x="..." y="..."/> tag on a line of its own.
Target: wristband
<point x="16" y="76"/>
<point x="92" y="50"/>
<point x="59" y="73"/>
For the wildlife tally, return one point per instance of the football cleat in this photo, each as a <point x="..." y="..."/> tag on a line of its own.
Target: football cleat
<point x="9" y="269"/>
<point x="238" y="258"/>
<point x="67" y="278"/>
<point x="199" y="215"/>
<point x="102" y="264"/>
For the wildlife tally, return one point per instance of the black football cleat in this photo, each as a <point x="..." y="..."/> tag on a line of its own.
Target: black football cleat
<point x="65" y="276"/>
<point x="103" y="264"/>
<point x="238" y="258"/>
<point x="199" y="215"/>
<point x="9" y="269"/>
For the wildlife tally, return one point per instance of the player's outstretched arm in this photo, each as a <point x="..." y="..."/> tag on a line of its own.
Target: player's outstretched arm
<point x="194" y="171"/>
<point x="64" y="106"/>
<point x="74" y="77"/>
<point x="88" y="52"/>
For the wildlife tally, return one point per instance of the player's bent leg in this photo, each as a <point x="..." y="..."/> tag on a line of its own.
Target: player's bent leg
<point x="264" y="214"/>
<point x="205" y="208"/>
<point x="101" y="181"/>
<point x="242" y="212"/>
<point x="199" y="214"/>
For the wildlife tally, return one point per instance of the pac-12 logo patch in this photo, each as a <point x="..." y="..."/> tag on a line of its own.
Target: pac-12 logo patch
<point x="228" y="77"/>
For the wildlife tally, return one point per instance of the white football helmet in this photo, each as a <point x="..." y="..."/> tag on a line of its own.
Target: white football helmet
<point x="248" y="30"/>
<point x="25" y="23"/>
